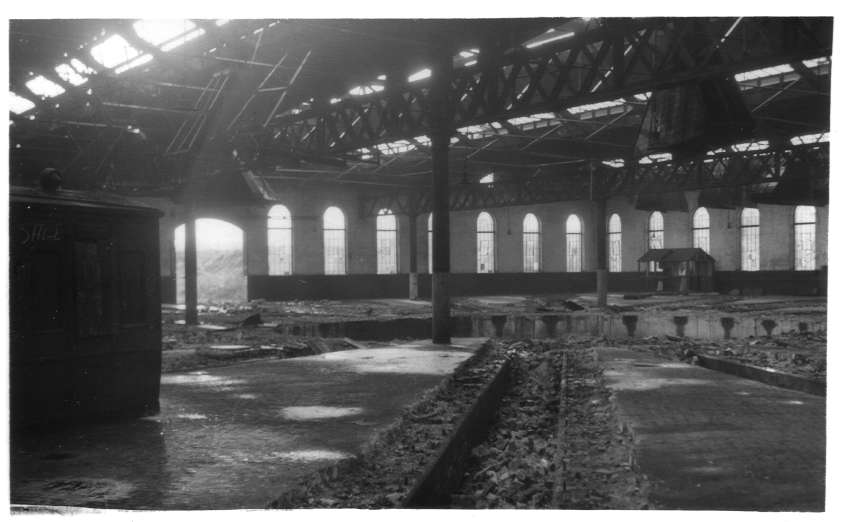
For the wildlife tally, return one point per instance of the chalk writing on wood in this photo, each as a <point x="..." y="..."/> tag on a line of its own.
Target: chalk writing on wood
<point x="40" y="232"/>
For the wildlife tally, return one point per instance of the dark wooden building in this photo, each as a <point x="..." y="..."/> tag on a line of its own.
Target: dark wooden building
<point x="85" y="320"/>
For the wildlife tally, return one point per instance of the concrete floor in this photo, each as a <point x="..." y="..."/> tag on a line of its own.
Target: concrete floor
<point x="711" y="441"/>
<point x="232" y="437"/>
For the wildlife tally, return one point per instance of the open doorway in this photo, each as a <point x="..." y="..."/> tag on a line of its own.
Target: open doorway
<point x="220" y="254"/>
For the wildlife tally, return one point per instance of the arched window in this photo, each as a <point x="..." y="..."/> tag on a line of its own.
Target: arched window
<point x="279" y="241"/>
<point x="334" y="241"/>
<point x="701" y="229"/>
<point x="530" y="243"/>
<point x="387" y="241"/>
<point x="614" y="243"/>
<point x="430" y="243"/>
<point x="655" y="236"/>
<point x="805" y="237"/>
<point x="574" y="243"/>
<point x="486" y="243"/>
<point x="750" y="221"/>
<point x="656" y="230"/>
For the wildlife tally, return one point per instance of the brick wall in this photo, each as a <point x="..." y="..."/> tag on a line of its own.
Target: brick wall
<point x="307" y="206"/>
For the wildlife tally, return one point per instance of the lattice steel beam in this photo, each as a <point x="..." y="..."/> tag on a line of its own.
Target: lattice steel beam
<point x="621" y="58"/>
<point x="719" y="171"/>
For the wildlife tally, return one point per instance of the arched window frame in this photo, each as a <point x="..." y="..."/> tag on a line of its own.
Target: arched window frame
<point x="335" y="247"/>
<point x="750" y="248"/>
<point x="279" y="237"/>
<point x="574" y="243"/>
<point x="430" y="243"/>
<point x="386" y="225"/>
<point x="701" y="229"/>
<point x="805" y="237"/>
<point x="614" y="243"/>
<point x="485" y="231"/>
<point x="531" y="243"/>
<point x="655" y="236"/>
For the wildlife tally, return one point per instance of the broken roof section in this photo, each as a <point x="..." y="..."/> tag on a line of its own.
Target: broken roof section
<point x="167" y="34"/>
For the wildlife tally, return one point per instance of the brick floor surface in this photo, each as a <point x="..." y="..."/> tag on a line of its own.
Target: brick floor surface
<point x="712" y="441"/>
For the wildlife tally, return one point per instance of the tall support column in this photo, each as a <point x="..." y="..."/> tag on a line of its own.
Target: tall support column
<point x="441" y="127"/>
<point x="414" y="256"/>
<point x="191" y="269"/>
<point x="601" y="248"/>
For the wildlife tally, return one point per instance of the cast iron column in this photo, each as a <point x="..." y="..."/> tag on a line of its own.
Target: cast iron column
<point x="601" y="237"/>
<point x="191" y="269"/>
<point x="441" y="127"/>
<point x="414" y="256"/>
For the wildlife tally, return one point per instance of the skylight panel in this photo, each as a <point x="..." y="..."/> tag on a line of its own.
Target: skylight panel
<point x="365" y="89"/>
<point x="81" y="68"/>
<point x="41" y="86"/>
<point x="805" y="139"/>
<point x="423" y="140"/>
<point x="420" y="75"/>
<point x="177" y="42"/>
<point x="114" y="51"/>
<point x="19" y="104"/>
<point x="750" y="146"/>
<point x="157" y="32"/>
<point x="816" y="62"/>
<point x="763" y="73"/>
<point x="395" y="147"/>
<point x="552" y="36"/>
<point x="595" y="106"/>
<point x="656" y="158"/>
<point x="141" y="60"/>
<point x="70" y="75"/>
<point x="533" y="118"/>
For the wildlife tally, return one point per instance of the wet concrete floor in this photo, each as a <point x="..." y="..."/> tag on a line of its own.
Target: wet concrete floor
<point x="712" y="441"/>
<point x="232" y="437"/>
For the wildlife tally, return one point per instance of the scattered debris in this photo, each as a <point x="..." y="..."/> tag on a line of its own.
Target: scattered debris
<point x="386" y="472"/>
<point x="251" y="321"/>
<point x="524" y="464"/>
<point x="797" y="353"/>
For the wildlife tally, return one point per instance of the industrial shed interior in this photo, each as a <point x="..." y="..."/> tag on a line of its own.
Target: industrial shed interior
<point x="571" y="263"/>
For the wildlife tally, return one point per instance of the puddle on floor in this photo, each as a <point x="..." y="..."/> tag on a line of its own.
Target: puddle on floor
<point x="72" y="491"/>
<point x="318" y="412"/>
<point x="311" y="455"/>
<point x="191" y="416"/>
<point x="201" y="379"/>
